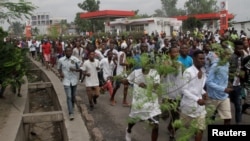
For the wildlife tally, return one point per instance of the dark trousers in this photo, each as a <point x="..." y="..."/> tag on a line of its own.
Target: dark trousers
<point x="235" y="97"/>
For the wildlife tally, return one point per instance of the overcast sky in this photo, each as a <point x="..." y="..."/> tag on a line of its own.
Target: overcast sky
<point x="68" y="8"/>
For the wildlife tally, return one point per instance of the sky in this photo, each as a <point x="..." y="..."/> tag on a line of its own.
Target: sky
<point x="68" y="8"/>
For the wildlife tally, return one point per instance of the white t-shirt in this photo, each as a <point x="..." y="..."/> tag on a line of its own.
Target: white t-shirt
<point x="91" y="68"/>
<point x="32" y="47"/>
<point x="107" y="67"/>
<point x="99" y="54"/>
<point x="114" y="52"/>
<point x="78" y="52"/>
<point x="64" y="64"/>
<point x="121" y="70"/>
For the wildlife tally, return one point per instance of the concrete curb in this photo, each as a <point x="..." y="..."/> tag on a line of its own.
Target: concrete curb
<point x="76" y="129"/>
<point x="95" y="133"/>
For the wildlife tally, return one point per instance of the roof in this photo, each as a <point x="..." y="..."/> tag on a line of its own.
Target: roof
<point x="107" y="14"/>
<point x="131" y="22"/>
<point x="207" y="16"/>
<point x="245" y="21"/>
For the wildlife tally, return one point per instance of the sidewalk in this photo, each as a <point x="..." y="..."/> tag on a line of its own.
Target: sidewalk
<point x="12" y="111"/>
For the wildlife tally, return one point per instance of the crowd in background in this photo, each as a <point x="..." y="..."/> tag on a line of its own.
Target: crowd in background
<point x="195" y="54"/>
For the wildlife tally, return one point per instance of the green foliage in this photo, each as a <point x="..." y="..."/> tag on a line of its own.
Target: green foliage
<point x="200" y="6"/>
<point x="90" y="5"/>
<point x="14" y="11"/>
<point x="139" y="16"/>
<point x="191" y="23"/>
<point x="223" y="53"/>
<point x="165" y="66"/>
<point x="82" y="25"/>
<point x="12" y="63"/>
<point x="35" y="31"/>
<point x="16" y="28"/>
<point x="169" y="7"/>
<point x="53" y="32"/>
<point x="89" y="24"/>
<point x="159" y="13"/>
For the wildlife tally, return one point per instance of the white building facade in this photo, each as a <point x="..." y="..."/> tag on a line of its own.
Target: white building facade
<point x="43" y="20"/>
<point x="148" y="25"/>
<point x="243" y="25"/>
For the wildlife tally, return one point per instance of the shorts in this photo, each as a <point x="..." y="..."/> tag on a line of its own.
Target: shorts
<point x="46" y="57"/>
<point x="223" y="107"/>
<point x="199" y="122"/>
<point x="94" y="90"/>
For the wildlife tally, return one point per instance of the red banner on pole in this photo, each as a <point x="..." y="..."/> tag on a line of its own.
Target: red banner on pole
<point x="223" y="21"/>
<point x="28" y="31"/>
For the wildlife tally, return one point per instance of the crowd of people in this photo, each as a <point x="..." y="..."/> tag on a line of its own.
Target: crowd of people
<point x="209" y="71"/>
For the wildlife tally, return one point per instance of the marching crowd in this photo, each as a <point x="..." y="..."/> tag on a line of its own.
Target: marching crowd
<point x="209" y="71"/>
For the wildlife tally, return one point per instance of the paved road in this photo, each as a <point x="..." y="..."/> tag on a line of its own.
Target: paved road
<point x="112" y="120"/>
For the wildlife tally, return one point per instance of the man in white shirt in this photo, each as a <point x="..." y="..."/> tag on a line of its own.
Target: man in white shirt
<point x="121" y="72"/>
<point x="111" y="48"/>
<point x="90" y="69"/>
<point x="192" y="104"/>
<point x="78" y="52"/>
<point x="68" y="66"/>
<point x="172" y="84"/>
<point x="108" y="65"/>
<point x="145" y="105"/>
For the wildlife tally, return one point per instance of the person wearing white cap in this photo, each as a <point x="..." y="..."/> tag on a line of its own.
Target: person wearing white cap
<point x="121" y="71"/>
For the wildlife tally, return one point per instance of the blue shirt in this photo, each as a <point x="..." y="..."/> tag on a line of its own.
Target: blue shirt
<point x="187" y="61"/>
<point x="137" y="59"/>
<point x="217" y="81"/>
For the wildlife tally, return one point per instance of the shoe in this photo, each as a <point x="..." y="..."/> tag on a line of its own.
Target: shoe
<point x="127" y="135"/>
<point x="153" y="121"/>
<point x="71" y="117"/>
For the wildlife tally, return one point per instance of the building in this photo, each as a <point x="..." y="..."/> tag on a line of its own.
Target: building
<point x="43" y="21"/>
<point x="149" y="25"/>
<point x="242" y="25"/>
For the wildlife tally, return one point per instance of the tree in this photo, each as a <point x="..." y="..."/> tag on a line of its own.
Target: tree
<point x="16" y="28"/>
<point x="191" y="23"/>
<point x="35" y="31"/>
<point x="138" y="16"/>
<point x="200" y="6"/>
<point x="12" y="58"/>
<point x="89" y="6"/>
<point x="13" y="64"/>
<point x="82" y="25"/>
<point x="54" y="31"/>
<point x="64" y="26"/>
<point x="159" y="13"/>
<point x="169" y="6"/>
<point x="13" y="11"/>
